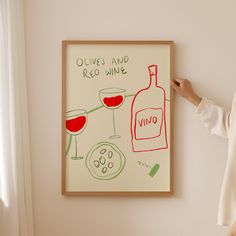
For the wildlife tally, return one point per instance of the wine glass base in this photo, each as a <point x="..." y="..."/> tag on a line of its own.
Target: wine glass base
<point x="77" y="158"/>
<point x="114" y="136"/>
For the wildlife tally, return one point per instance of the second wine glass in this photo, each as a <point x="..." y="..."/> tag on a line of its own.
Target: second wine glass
<point x="112" y="98"/>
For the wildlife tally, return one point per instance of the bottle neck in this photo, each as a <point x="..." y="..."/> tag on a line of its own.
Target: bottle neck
<point x="153" y="76"/>
<point x="153" y="81"/>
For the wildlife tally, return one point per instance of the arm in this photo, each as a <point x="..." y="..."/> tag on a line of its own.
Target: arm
<point x="184" y="88"/>
<point x="232" y="230"/>
<point x="216" y="118"/>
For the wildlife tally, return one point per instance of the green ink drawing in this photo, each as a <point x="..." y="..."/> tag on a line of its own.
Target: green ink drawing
<point x="113" y="71"/>
<point x="90" y="74"/>
<point x="154" y="169"/>
<point x="69" y="144"/>
<point x="105" y="161"/>
<point x="120" y="60"/>
<point x="129" y="95"/>
<point x="95" y="109"/>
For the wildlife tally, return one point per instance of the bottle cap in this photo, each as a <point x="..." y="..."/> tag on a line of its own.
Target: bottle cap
<point x="153" y="69"/>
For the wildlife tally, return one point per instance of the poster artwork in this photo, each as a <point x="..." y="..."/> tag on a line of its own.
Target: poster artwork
<point x="117" y="127"/>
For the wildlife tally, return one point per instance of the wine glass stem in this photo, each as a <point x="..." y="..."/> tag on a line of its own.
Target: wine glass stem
<point x="75" y="146"/>
<point x="69" y="144"/>
<point x="114" y="126"/>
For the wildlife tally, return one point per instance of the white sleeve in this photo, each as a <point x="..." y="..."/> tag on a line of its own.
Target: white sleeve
<point x="216" y="118"/>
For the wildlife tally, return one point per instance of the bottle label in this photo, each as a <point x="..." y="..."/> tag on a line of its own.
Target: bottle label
<point x="148" y="123"/>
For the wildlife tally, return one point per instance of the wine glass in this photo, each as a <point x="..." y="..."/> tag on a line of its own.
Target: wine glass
<point x="76" y="121"/>
<point x="112" y="98"/>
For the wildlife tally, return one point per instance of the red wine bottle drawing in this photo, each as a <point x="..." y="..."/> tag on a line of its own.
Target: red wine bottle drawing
<point x="148" y="116"/>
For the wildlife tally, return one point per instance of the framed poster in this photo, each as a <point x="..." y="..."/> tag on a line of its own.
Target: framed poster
<point x="117" y="113"/>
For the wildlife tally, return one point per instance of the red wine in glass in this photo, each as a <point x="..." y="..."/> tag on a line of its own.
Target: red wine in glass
<point x="76" y="121"/>
<point x="112" y="98"/>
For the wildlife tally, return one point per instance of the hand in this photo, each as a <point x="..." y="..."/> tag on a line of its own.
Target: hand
<point x="232" y="230"/>
<point x="184" y="88"/>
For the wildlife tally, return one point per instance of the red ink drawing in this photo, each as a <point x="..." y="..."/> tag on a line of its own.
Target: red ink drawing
<point x="113" y="101"/>
<point x="148" y="116"/>
<point x="75" y="125"/>
<point x="148" y="123"/>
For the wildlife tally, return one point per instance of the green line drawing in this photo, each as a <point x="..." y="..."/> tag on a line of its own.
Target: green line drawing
<point x="76" y="157"/>
<point x="154" y="168"/>
<point x="105" y="161"/>
<point x="95" y="109"/>
<point x="114" y="126"/>
<point x="129" y="95"/>
<point x="69" y="144"/>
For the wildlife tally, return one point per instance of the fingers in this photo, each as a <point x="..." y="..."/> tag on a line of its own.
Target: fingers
<point x="179" y="80"/>
<point x="174" y="85"/>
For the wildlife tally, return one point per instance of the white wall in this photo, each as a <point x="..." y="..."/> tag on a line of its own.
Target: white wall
<point x="205" y="36"/>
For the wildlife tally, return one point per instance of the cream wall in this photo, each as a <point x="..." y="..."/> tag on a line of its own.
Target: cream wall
<point x="205" y="35"/>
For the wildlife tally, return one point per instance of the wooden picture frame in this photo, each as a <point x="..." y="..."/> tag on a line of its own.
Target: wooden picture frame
<point x="139" y="161"/>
